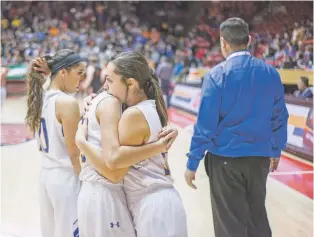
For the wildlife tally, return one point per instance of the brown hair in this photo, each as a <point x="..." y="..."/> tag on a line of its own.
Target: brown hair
<point x="134" y="65"/>
<point x="35" y="81"/>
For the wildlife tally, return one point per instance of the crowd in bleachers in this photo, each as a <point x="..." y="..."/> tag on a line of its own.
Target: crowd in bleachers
<point x="156" y="29"/>
<point x="282" y="32"/>
<point x="286" y="39"/>
<point x="30" y="29"/>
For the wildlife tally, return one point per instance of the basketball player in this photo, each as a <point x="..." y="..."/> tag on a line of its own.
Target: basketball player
<point x="102" y="207"/>
<point x="111" y="201"/>
<point x="155" y="205"/>
<point x="53" y="116"/>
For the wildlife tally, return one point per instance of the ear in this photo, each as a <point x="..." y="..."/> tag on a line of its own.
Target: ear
<point x="106" y="86"/>
<point x="131" y="82"/>
<point x="250" y="40"/>
<point x="223" y="42"/>
<point x="63" y="72"/>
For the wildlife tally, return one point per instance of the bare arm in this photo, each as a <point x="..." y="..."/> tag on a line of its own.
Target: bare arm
<point x="68" y="114"/>
<point x="133" y="128"/>
<point x="89" y="77"/>
<point x="94" y="156"/>
<point x="108" y="126"/>
<point x="133" y="131"/>
<point x="114" y="155"/>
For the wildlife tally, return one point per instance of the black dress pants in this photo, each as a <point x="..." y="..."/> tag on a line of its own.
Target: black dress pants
<point x="238" y="192"/>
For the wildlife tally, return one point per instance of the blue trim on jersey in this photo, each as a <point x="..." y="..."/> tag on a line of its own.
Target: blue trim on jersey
<point x="166" y="166"/>
<point x="76" y="230"/>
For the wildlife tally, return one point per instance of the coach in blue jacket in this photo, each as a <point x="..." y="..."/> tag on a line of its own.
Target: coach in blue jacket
<point x="241" y="130"/>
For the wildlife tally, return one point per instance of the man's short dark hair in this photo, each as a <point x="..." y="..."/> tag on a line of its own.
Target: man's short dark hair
<point x="235" y="31"/>
<point x="305" y="81"/>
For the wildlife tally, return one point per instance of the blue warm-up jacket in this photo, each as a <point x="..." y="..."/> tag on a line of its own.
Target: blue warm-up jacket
<point x="242" y="111"/>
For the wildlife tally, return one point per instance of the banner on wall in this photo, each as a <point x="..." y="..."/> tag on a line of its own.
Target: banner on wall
<point x="300" y="130"/>
<point x="292" y="76"/>
<point x="186" y="97"/>
<point x="17" y="73"/>
<point x="300" y="123"/>
<point x="288" y="76"/>
<point x="196" y="74"/>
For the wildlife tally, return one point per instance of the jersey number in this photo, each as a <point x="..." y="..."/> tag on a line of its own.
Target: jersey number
<point x="43" y="136"/>
<point x="166" y="166"/>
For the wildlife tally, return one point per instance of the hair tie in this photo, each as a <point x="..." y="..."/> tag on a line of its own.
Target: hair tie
<point x="147" y="83"/>
<point x="68" y="61"/>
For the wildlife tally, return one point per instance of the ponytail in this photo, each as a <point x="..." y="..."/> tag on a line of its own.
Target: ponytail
<point x="64" y="58"/>
<point x="153" y="91"/>
<point x="35" y="82"/>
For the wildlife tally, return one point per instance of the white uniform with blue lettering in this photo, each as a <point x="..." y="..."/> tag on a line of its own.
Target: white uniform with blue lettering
<point x="102" y="207"/>
<point x="59" y="185"/>
<point x="155" y="205"/>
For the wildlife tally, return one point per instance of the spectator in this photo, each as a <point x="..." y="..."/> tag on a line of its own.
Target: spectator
<point x="289" y="63"/>
<point x="178" y="67"/>
<point x="304" y="90"/>
<point x="93" y="76"/>
<point x="164" y="72"/>
<point x="34" y="29"/>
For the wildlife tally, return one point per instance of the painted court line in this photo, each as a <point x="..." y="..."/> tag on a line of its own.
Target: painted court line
<point x="291" y="173"/>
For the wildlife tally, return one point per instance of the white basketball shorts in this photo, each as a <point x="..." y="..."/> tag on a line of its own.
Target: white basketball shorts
<point x="103" y="212"/>
<point x="158" y="213"/>
<point x="59" y="189"/>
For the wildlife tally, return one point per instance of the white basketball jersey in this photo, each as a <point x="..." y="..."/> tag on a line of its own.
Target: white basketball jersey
<point x="50" y="135"/>
<point x="88" y="172"/>
<point x="153" y="171"/>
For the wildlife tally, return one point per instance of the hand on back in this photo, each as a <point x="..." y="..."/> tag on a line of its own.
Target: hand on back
<point x="88" y="102"/>
<point x="168" y="135"/>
